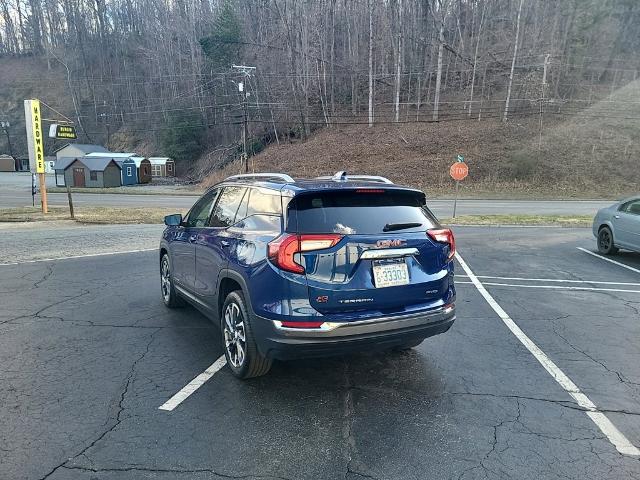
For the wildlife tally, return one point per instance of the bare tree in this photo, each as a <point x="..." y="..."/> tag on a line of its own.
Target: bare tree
<point x="513" y="64"/>
<point x="370" y="8"/>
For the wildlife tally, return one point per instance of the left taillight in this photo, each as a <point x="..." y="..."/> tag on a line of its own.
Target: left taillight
<point x="282" y="250"/>
<point x="444" y="235"/>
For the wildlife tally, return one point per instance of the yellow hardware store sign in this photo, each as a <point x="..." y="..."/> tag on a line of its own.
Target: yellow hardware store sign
<point x="38" y="139"/>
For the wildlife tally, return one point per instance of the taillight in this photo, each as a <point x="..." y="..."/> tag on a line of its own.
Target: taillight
<point x="283" y="249"/>
<point x="444" y="235"/>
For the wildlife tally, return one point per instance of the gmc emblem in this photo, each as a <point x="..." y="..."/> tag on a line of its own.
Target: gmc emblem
<point x="390" y="243"/>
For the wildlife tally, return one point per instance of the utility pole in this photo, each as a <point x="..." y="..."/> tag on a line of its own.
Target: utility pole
<point x="246" y="72"/>
<point x="5" y="126"/>
<point x="544" y="88"/>
<point x="104" y="117"/>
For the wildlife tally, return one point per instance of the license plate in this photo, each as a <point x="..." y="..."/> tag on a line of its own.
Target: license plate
<point x="390" y="275"/>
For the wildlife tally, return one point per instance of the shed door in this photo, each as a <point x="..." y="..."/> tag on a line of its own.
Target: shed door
<point x="78" y="177"/>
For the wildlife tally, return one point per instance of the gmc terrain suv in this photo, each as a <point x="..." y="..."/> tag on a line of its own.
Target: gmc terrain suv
<point x="304" y="268"/>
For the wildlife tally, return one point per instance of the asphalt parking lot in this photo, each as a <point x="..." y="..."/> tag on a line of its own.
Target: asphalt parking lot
<point x="538" y="378"/>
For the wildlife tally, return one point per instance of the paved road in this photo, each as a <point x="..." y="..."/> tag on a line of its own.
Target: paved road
<point x="15" y="192"/>
<point x="88" y="353"/>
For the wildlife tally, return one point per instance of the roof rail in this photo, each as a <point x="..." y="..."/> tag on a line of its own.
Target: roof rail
<point x="342" y="176"/>
<point x="251" y="176"/>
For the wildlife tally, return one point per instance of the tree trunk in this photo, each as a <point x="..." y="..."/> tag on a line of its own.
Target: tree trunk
<point x="398" y="63"/>
<point x="475" y="59"/>
<point x="513" y="64"/>
<point x="370" y="63"/>
<point x="436" y="100"/>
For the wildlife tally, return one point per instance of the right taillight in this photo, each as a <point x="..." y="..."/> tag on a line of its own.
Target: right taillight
<point x="444" y="235"/>
<point x="282" y="250"/>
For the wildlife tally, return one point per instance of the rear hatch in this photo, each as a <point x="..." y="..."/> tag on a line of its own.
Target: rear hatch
<point x="370" y="249"/>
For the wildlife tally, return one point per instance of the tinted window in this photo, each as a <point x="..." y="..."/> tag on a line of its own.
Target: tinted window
<point x="632" y="207"/>
<point x="260" y="202"/>
<point x="261" y="223"/>
<point x="199" y="214"/>
<point x="225" y="210"/>
<point x="359" y="213"/>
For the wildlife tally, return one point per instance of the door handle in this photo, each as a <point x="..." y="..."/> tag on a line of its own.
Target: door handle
<point x="616" y="216"/>
<point x="224" y="243"/>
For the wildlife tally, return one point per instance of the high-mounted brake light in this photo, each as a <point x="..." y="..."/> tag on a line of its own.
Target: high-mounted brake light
<point x="283" y="249"/>
<point x="369" y="190"/>
<point x="444" y="235"/>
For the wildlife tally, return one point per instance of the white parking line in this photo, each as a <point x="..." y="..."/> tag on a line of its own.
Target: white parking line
<point x="553" y="280"/>
<point x="615" y="436"/>
<point x="608" y="260"/>
<point x="78" y="256"/>
<point x="193" y="385"/>
<point x="555" y="287"/>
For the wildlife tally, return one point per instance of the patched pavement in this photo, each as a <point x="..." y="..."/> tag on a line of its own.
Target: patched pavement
<point x="88" y="353"/>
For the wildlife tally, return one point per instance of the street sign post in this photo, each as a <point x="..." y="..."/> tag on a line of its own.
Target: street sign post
<point x="33" y="190"/>
<point x="35" y="144"/>
<point x="458" y="171"/>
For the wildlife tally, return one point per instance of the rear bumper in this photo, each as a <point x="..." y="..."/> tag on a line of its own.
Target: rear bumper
<point x="339" y="338"/>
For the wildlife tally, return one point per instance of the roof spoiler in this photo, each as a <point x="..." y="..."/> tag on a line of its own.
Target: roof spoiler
<point x="342" y="176"/>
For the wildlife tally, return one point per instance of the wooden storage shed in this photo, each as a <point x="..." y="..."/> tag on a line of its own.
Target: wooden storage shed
<point x="91" y="172"/>
<point x="143" y="166"/>
<point x="7" y="163"/>
<point x="76" y="150"/>
<point x="129" y="171"/>
<point x="162" y="167"/>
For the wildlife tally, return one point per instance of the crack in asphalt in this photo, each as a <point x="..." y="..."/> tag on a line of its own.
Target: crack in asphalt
<point x="347" y="416"/>
<point x="347" y="429"/>
<point x="488" y="473"/>
<point x="45" y="277"/>
<point x="620" y="376"/>
<point x="120" y="408"/>
<point x="172" y="470"/>
<point x="38" y="314"/>
<point x="560" y="403"/>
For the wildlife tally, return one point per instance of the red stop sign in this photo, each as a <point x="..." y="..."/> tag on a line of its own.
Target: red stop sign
<point x="459" y="171"/>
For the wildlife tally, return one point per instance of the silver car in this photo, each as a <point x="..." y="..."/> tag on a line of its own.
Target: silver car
<point x="618" y="226"/>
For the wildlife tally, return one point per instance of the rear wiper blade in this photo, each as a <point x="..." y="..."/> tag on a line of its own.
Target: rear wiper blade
<point x="390" y="227"/>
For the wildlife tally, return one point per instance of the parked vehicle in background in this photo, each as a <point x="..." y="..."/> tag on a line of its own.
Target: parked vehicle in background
<point x="308" y="268"/>
<point x="618" y="226"/>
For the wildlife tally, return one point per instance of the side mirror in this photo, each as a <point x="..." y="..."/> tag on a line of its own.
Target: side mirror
<point x="173" y="220"/>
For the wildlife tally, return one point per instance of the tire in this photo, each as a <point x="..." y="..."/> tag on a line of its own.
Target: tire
<point x="408" y="345"/>
<point x="243" y="357"/>
<point x="605" y="242"/>
<point x="170" y="297"/>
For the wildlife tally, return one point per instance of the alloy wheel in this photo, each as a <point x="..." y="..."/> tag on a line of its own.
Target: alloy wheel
<point x="165" y="279"/>
<point x="605" y="239"/>
<point x="234" y="335"/>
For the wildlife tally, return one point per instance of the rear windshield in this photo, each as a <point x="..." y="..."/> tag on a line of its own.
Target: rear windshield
<point x="359" y="213"/>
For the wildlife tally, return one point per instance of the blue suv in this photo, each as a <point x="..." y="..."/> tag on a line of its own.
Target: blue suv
<point x="304" y="268"/>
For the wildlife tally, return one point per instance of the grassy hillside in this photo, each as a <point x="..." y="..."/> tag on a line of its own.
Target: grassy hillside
<point x="594" y="154"/>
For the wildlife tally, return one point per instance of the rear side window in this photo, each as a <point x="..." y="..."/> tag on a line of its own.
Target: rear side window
<point x="257" y="202"/>
<point x="224" y="213"/>
<point x="260" y="202"/>
<point x="359" y="212"/>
